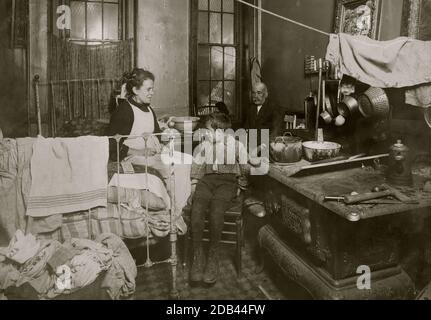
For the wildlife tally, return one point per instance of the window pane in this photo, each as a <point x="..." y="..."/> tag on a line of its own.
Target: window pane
<point x="229" y="63"/>
<point x="203" y="63"/>
<point x="228" y="28"/>
<point x="203" y="27"/>
<point x="130" y="18"/>
<point x="215" y="28"/>
<point x="94" y="21"/>
<point x="228" y="6"/>
<point x="78" y="20"/>
<point x="216" y="91"/>
<point x="215" y="5"/>
<point x="203" y="4"/>
<point x="230" y="95"/>
<point x="110" y="21"/>
<point x="216" y="63"/>
<point x="203" y="93"/>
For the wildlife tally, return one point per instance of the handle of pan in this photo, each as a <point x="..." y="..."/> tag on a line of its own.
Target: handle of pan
<point x="351" y="199"/>
<point x="319" y="97"/>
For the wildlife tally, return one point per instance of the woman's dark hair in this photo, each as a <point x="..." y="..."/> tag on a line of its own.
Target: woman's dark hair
<point x="221" y="107"/>
<point x="219" y="121"/>
<point x="136" y="79"/>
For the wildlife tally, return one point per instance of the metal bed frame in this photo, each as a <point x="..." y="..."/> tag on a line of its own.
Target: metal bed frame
<point x="173" y="234"/>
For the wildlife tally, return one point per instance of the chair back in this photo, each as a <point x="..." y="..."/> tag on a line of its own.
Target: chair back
<point x="291" y="121"/>
<point x="206" y="110"/>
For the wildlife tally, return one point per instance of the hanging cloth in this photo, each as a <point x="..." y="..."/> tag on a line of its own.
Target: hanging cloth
<point x="398" y="63"/>
<point x="256" y="71"/>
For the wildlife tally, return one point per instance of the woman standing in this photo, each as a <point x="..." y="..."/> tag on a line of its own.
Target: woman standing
<point x="134" y="116"/>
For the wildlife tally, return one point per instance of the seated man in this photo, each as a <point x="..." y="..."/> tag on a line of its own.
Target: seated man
<point x="263" y="113"/>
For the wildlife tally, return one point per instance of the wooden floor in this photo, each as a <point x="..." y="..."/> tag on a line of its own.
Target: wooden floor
<point x="154" y="283"/>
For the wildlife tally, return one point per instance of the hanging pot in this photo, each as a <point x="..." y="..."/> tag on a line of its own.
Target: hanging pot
<point x="325" y="115"/>
<point x="348" y="107"/>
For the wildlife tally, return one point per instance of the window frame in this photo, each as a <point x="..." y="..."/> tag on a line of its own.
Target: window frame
<point x="194" y="50"/>
<point x="123" y="21"/>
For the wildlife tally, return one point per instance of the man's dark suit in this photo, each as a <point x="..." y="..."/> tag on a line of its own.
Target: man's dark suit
<point x="270" y="117"/>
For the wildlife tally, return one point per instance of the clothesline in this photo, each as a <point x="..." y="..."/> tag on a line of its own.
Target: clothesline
<point x="283" y="18"/>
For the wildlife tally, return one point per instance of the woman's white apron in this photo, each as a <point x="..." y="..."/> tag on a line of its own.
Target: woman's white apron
<point x="144" y="124"/>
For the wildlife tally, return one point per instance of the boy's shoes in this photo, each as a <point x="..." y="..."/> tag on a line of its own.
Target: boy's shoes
<point x="197" y="267"/>
<point x="212" y="268"/>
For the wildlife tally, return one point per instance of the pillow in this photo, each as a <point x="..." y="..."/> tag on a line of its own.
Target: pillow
<point x="139" y="196"/>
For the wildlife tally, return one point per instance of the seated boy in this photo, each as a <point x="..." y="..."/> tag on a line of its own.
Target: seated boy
<point x="218" y="172"/>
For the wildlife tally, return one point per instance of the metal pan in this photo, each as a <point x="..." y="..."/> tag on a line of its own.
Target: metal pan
<point x="325" y="115"/>
<point x="348" y="107"/>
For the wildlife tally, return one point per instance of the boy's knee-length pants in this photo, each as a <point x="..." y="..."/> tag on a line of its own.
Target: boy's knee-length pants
<point x="214" y="194"/>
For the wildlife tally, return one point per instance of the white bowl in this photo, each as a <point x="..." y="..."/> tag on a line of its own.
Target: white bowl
<point x="183" y="123"/>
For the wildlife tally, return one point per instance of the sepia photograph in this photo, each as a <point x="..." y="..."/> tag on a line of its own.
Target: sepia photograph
<point x="219" y="156"/>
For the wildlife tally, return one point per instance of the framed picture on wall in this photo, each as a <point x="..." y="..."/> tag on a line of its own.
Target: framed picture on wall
<point x="358" y="17"/>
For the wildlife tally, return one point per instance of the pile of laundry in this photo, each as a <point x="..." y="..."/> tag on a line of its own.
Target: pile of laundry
<point x="53" y="269"/>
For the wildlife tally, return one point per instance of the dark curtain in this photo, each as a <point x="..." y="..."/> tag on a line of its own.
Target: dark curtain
<point x="86" y="99"/>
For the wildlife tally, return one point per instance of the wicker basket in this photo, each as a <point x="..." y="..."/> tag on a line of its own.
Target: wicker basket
<point x="374" y="103"/>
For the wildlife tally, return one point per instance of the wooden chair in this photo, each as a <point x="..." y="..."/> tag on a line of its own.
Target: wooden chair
<point x="233" y="231"/>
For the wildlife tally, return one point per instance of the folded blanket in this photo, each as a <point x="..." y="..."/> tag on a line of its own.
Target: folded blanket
<point x="142" y="182"/>
<point x="136" y="198"/>
<point x="68" y="175"/>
